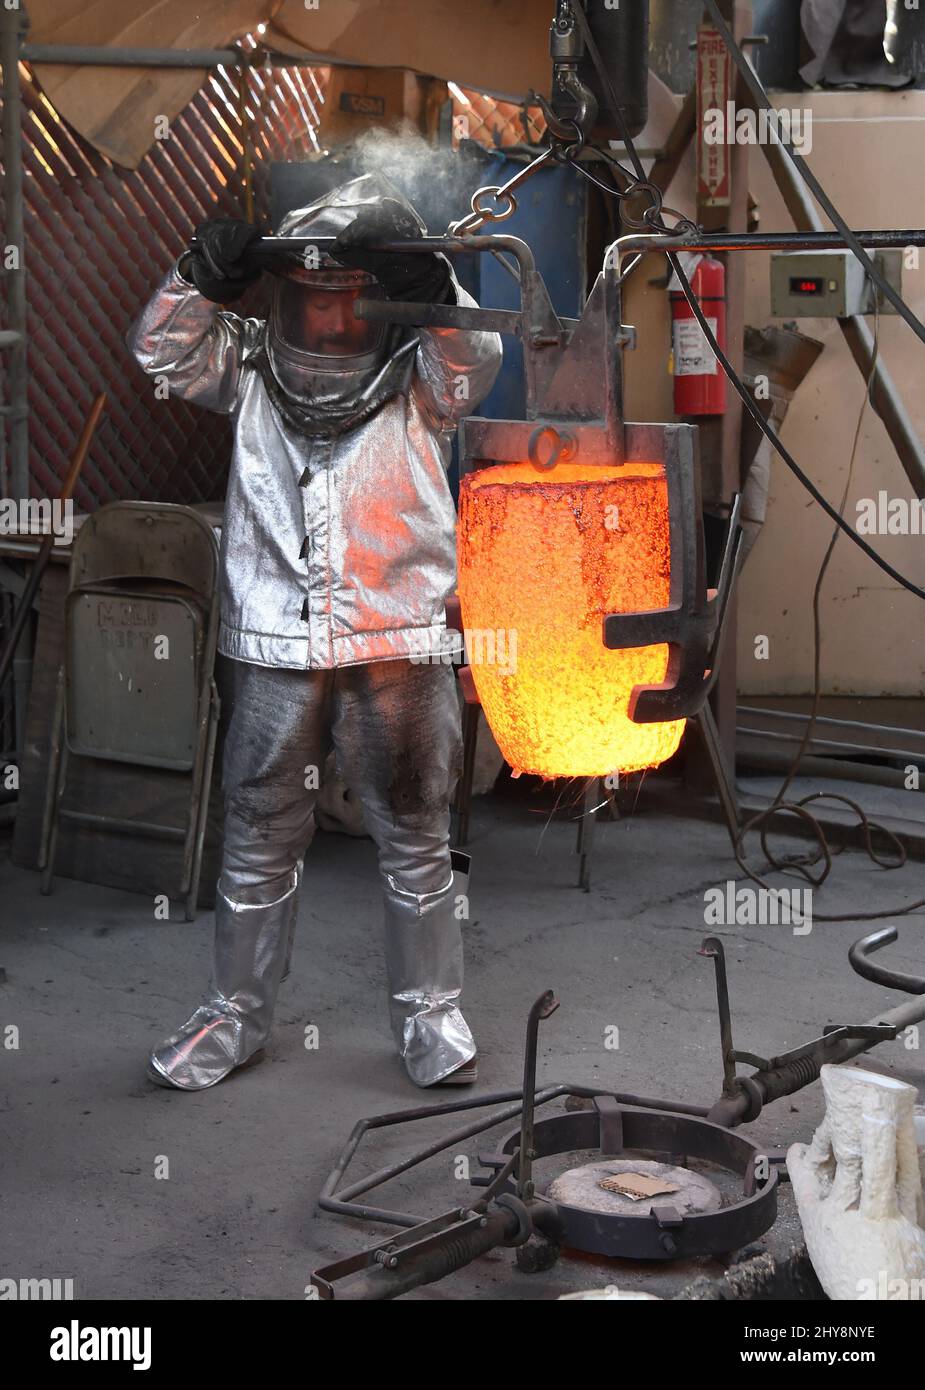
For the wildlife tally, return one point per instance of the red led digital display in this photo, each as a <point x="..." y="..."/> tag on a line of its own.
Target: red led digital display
<point x="804" y="286"/>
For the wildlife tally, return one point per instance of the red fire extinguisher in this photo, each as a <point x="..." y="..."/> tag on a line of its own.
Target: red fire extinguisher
<point x="699" y="380"/>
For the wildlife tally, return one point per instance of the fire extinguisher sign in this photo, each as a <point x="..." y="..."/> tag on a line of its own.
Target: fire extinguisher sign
<point x="714" y="90"/>
<point x="693" y="355"/>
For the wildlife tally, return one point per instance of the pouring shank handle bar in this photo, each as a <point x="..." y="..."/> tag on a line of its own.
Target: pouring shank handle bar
<point x="425" y="245"/>
<point x="536" y="321"/>
<point x="859" y="956"/>
<point x="759" y="241"/>
<point x="793" y="1076"/>
<point x="878" y="240"/>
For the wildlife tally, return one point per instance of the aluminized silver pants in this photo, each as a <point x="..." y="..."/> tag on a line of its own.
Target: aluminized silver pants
<point x="394" y="726"/>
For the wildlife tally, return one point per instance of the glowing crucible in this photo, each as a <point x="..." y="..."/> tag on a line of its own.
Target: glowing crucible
<point x="543" y="558"/>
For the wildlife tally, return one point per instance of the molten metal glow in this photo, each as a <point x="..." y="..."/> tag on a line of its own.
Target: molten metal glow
<point x="543" y="557"/>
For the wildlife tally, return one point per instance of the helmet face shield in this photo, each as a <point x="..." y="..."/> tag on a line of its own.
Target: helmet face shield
<point x="313" y="313"/>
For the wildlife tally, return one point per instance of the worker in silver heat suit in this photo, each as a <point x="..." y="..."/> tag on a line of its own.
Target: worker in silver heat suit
<point x="338" y="554"/>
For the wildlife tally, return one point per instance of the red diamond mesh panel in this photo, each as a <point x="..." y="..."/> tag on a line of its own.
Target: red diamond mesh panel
<point x="494" y="123"/>
<point x="98" y="239"/>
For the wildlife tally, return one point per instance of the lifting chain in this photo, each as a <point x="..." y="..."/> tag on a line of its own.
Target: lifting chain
<point x="565" y="151"/>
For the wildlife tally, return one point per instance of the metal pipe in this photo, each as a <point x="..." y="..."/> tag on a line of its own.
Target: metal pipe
<point x="519" y="249"/>
<point x="544" y="1007"/>
<point x="774" y="760"/>
<point x="771" y="713"/>
<point x="540" y="326"/>
<point x="102" y="56"/>
<point x="859" y="956"/>
<point x="12" y="26"/>
<point x="713" y="948"/>
<point x="832" y="745"/>
<point x="792" y="1076"/>
<point x="760" y="241"/>
<point x="443" y="316"/>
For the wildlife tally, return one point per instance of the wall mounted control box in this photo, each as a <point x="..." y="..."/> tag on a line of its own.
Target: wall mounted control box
<point x="831" y="284"/>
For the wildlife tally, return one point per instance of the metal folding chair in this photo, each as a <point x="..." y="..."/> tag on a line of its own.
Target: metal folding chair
<point x="137" y="681"/>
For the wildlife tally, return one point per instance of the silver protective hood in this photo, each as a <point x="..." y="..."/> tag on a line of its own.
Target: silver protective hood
<point x="316" y="392"/>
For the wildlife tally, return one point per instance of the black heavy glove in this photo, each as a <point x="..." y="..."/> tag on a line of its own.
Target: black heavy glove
<point x="220" y="267"/>
<point x="420" y="277"/>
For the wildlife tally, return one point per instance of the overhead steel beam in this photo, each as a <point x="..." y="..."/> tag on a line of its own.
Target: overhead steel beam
<point x="103" y="56"/>
<point x="100" y="55"/>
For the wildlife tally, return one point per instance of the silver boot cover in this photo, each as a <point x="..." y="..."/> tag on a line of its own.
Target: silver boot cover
<point x="252" y="946"/>
<point x="424" y="960"/>
<point x="397" y="739"/>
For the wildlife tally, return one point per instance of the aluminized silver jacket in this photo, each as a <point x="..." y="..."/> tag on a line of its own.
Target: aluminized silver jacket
<point x="334" y="550"/>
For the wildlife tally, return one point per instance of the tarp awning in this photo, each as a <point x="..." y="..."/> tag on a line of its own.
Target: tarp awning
<point x="500" y="48"/>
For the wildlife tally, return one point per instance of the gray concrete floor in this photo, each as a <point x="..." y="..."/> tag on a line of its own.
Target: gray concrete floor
<point x="91" y="981"/>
